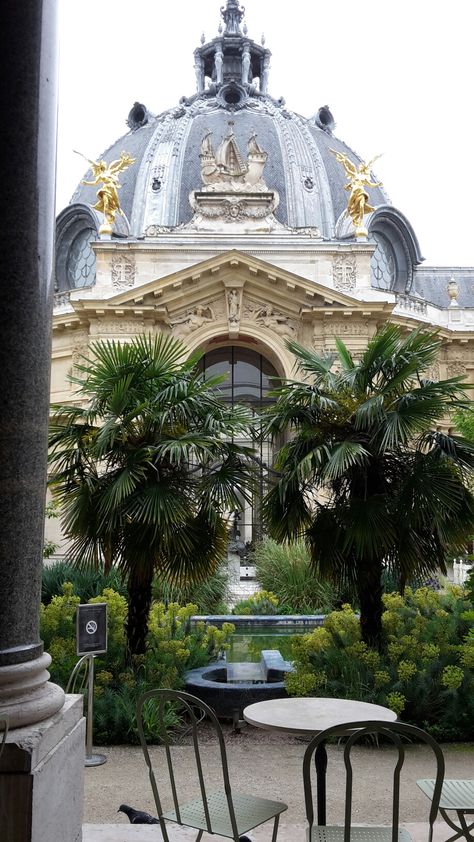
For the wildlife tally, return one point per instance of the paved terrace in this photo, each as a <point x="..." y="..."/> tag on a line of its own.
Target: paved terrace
<point x="269" y="765"/>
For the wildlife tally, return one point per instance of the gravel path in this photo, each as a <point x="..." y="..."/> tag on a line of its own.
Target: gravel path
<point x="270" y="765"/>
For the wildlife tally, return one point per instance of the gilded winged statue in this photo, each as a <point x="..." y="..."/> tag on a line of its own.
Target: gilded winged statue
<point x="107" y="196"/>
<point x="358" y="178"/>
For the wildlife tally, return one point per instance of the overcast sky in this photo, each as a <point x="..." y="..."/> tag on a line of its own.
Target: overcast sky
<point x="396" y="75"/>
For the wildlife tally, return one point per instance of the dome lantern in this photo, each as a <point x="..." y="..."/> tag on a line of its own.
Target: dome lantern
<point x="232" y="61"/>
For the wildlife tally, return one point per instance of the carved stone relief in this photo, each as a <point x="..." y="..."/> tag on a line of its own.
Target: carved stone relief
<point x="79" y="346"/>
<point x="267" y="316"/>
<point x="194" y="318"/>
<point x="344" y="273"/>
<point x="123" y="271"/>
<point x="455" y="368"/>
<point x="433" y="372"/>
<point x="348" y="327"/>
<point x="120" y="326"/>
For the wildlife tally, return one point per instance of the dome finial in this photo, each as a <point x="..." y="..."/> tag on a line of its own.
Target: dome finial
<point x="232" y="14"/>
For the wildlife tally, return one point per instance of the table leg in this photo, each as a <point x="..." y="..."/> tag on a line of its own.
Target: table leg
<point x="321" y="763"/>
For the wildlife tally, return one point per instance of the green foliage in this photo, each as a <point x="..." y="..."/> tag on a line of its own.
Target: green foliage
<point x="261" y="603"/>
<point x="51" y="511"/>
<point x="464" y="421"/>
<point x="424" y="673"/>
<point x="211" y="595"/>
<point x="172" y="649"/>
<point x="286" y="570"/>
<point x="86" y="583"/>
<point x="366" y="479"/>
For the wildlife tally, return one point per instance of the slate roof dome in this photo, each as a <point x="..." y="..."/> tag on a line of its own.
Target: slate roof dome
<point x="232" y="80"/>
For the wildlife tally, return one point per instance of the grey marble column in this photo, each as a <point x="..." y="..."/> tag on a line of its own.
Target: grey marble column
<point x="28" y="108"/>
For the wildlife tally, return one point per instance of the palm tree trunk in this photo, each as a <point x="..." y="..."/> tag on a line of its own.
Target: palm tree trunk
<point x="139" y="601"/>
<point x="369" y="591"/>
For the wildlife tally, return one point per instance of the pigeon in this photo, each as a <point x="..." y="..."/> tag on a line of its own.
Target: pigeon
<point x="137" y="816"/>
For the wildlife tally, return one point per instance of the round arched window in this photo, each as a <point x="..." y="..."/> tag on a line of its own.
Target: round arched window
<point x="81" y="260"/>
<point x="384" y="264"/>
<point x="249" y="378"/>
<point x="249" y="375"/>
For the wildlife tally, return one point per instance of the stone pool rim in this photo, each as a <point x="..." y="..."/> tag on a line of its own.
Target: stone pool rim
<point x="227" y="700"/>
<point x="260" y="619"/>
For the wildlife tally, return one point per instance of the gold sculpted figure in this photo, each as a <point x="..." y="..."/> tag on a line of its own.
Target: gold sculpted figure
<point x="359" y="178"/>
<point x="107" y="196"/>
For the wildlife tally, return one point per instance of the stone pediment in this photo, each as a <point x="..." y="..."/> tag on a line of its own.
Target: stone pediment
<point x="193" y="297"/>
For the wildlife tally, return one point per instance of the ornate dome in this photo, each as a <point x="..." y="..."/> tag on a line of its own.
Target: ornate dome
<point x="232" y="80"/>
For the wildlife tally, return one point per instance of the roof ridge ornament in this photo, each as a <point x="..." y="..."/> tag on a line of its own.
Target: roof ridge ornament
<point x="232" y="14"/>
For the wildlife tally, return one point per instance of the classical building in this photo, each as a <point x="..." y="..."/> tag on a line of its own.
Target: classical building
<point x="235" y="236"/>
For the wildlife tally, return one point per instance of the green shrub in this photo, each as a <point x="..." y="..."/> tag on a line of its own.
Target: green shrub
<point x="261" y="603"/>
<point x="424" y="673"/>
<point x="210" y="596"/>
<point x="172" y="649"/>
<point x="86" y="583"/>
<point x="285" y="570"/>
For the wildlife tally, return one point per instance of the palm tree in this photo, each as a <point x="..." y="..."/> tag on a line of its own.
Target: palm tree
<point x="145" y="468"/>
<point x="366" y="478"/>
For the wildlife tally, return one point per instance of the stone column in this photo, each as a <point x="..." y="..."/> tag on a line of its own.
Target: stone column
<point x="42" y="766"/>
<point x="28" y="108"/>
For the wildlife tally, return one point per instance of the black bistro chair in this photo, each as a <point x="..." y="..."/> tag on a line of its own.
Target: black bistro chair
<point x="224" y="812"/>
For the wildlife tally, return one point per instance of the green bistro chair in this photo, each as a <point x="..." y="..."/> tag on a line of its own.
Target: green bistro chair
<point x="225" y="813"/>
<point x="457" y="796"/>
<point x="355" y="733"/>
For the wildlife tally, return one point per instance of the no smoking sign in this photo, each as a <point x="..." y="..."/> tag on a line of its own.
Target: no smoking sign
<point x="91" y="629"/>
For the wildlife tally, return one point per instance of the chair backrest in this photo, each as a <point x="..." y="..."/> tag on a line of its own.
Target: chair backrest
<point x="356" y="732"/>
<point x="196" y="711"/>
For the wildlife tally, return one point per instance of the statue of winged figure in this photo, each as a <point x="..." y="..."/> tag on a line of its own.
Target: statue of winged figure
<point x="107" y="196"/>
<point x="358" y="178"/>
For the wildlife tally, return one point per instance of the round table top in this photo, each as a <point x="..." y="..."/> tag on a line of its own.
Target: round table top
<point x="312" y="715"/>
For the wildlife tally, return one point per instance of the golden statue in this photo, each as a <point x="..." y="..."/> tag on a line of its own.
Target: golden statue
<point x="107" y="197"/>
<point x="359" y="178"/>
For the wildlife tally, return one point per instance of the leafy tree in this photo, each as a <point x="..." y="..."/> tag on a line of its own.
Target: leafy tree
<point x="365" y="477"/>
<point x="464" y="421"/>
<point x="145" y="468"/>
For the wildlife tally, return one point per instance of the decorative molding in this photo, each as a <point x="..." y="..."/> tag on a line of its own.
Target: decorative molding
<point x="344" y="273"/>
<point x="62" y="299"/>
<point x="123" y="270"/>
<point x="120" y="326"/>
<point x="411" y="303"/>
<point x="348" y="327"/>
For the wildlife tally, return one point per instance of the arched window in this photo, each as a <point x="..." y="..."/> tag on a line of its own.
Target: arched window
<point x="80" y="265"/>
<point x="75" y="257"/>
<point x="384" y="264"/>
<point x="397" y="252"/>
<point x="250" y="377"/>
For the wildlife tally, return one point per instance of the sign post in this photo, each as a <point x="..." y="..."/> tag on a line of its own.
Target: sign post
<point x="91" y="637"/>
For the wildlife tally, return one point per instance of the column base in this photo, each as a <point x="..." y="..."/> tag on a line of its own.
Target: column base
<point x="42" y="779"/>
<point x="26" y="694"/>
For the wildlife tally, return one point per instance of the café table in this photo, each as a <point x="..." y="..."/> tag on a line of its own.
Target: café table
<point x="310" y="716"/>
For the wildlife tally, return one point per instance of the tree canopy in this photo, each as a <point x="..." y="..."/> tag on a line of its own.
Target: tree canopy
<point x="365" y="475"/>
<point x="146" y="467"/>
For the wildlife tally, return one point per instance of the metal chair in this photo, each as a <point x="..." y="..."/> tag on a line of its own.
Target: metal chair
<point x="355" y="732"/>
<point x="457" y="796"/>
<point x="224" y="813"/>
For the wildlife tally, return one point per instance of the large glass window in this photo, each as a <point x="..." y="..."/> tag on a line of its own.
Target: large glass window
<point x="81" y="260"/>
<point x="249" y="379"/>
